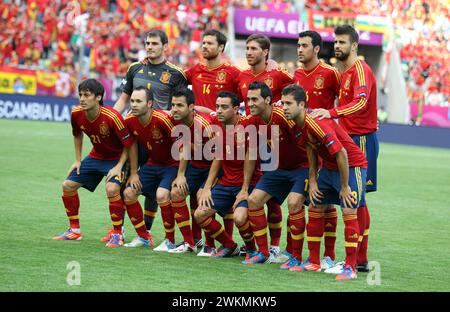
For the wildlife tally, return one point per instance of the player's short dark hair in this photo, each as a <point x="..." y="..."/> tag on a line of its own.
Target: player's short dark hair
<point x="158" y="33"/>
<point x="263" y="41"/>
<point x="265" y="90"/>
<point x="221" y="38"/>
<point x="187" y="93"/>
<point x="232" y="96"/>
<point x="296" y="91"/>
<point x="316" y="39"/>
<point x="94" y="86"/>
<point x="347" y="30"/>
<point x="148" y="92"/>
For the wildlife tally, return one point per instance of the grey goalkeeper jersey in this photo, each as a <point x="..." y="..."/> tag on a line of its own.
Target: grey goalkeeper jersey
<point x="161" y="79"/>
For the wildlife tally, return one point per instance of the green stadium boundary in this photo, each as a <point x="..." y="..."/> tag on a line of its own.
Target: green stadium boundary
<point x="50" y="108"/>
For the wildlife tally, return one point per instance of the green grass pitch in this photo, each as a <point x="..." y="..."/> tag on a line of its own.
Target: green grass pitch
<point x="409" y="233"/>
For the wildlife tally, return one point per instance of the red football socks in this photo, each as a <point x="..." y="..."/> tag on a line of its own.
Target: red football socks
<point x="72" y="204"/>
<point x="258" y="223"/>
<point x="168" y="220"/>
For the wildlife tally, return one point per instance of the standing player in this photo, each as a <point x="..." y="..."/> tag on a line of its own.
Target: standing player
<point x="214" y="75"/>
<point x="193" y="170"/>
<point x="321" y="84"/>
<point x="159" y="76"/>
<point x="341" y="179"/>
<point x="357" y="113"/>
<point x="153" y="129"/>
<point x="110" y="139"/>
<point x="207" y="81"/>
<point x="257" y="54"/>
<point x="233" y="186"/>
<point x="289" y="179"/>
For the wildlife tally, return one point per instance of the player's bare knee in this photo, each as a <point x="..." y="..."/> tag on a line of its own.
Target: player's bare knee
<point x="253" y="202"/>
<point x="129" y="194"/>
<point x="162" y="195"/>
<point x="317" y="208"/>
<point x="69" y="186"/>
<point x="240" y="217"/>
<point x="112" y="189"/>
<point x="175" y="194"/>
<point x="200" y="215"/>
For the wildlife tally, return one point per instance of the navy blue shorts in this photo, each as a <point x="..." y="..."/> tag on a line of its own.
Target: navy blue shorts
<point x="329" y="183"/>
<point x="92" y="172"/>
<point x="279" y="183"/>
<point x="152" y="177"/>
<point x="196" y="178"/>
<point x="224" y="197"/>
<point x="369" y="145"/>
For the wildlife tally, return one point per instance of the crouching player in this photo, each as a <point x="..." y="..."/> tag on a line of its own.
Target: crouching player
<point x="195" y="131"/>
<point x="340" y="181"/>
<point x="233" y="187"/>
<point x="153" y="129"/>
<point x="110" y="140"/>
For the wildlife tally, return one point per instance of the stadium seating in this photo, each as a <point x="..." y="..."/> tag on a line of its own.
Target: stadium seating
<point x="40" y="35"/>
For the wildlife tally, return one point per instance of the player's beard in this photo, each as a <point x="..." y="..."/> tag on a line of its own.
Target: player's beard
<point x="211" y="55"/>
<point x="343" y="55"/>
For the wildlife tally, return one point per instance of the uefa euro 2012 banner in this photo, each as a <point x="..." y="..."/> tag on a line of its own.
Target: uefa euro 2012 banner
<point x="288" y="25"/>
<point x="35" y="107"/>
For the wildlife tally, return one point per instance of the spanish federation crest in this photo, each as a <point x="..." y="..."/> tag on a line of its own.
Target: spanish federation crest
<point x="165" y="77"/>
<point x="318" y="83"/>
<point x="221" y="76"/>
<point x="104" y="129"/>
<point x="269" y="82"/>
<point x="347" y="84"/>
<point x="156" y="134"/>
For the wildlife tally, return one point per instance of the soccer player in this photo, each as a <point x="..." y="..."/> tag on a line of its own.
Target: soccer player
<point x="153" y="129"/>
<point x="341" y="179"/>
<point x="161" y="77"/>
<point x="321" y="84"/>
<point x="357" y="113"/>
<point x="257" y="54"/>
<point x="110" y="140"/>
<point x="207" y="81"/>
<point x="214" y="75"/>
<point x="289" y="179"/>
<point x="193" y="169"/>
<point x="231" y="190"/>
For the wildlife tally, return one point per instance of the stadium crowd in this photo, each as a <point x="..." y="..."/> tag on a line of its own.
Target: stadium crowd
<point x="39" y="35"/>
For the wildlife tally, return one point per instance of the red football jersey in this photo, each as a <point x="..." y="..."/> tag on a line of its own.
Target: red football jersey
<point x="201" y="132"/>
<point x="276" y="79"/>
<point x="357" y="109"/>
<point x="233" y="145"/>
<point x="328" y="138"/>
<point x="107" y="132"/>
<point x="321" y="85"/>
<point x="156" y="136"/>
<point x="290" y="154"/>
<point x="208" y="82"/>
